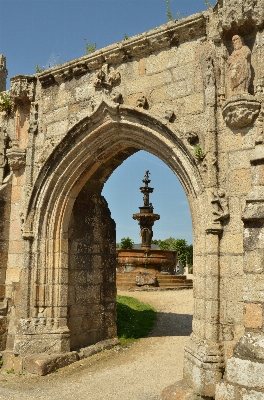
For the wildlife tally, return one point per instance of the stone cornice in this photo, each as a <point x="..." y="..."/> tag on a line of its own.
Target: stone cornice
<point x="164" y="36"/>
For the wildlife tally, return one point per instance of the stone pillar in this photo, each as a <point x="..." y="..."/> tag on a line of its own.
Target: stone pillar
<point x="244" y="373"/>
<point x="3" y="73"/>
<point x="203" y="366"/>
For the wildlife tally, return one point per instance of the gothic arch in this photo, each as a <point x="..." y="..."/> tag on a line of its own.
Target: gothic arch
<point x="87" y="155"/>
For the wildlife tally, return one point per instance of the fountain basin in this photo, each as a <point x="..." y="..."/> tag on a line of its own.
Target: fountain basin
<point x="154" y="261"/>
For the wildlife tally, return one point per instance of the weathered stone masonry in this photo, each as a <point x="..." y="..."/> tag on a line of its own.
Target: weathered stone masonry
<point x="192" y="93"/>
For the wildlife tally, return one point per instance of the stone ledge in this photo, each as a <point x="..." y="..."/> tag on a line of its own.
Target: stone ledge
<point x="170" y="34"/>
<point x="43" y="364"/>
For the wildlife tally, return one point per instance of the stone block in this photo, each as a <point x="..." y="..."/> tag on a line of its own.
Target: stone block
<point x="12" y="362"/>
<point x="232" y="289"/>
<point x="57" y="115"/>
<point x="258" y="175"/>
<point x="194" y="103"/>
<point x="232" y="243"/>
<point x="253" y="288"/>
<point x="43" y="364"/>
<point x="246" y="373"/>
<point x="253" y="315"/>
<point x="2" y="291"/>
<point x="91" y="321"/>
<point x="177" y="391"/>
<point x="254" y="261"/>
<point x="253" y="237"/>
<point x="211" y="264"/>
<point x="96" y="348"/>
<point x="247" y="394"/>
<point x="239" y="181"/>
<point x="16" y="246"/>
<point x="16" y="194"/>
<point x="156" y="62"/>
<point x="13" y="275"/>
<point x="224" y="391"/>
<point x="239" y="159"/>
<point x="212" y="242"/>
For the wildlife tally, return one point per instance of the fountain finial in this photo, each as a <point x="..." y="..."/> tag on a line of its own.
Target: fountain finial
<point x="146" y="218"/>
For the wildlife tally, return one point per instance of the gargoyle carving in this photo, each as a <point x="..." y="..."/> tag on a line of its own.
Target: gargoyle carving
<point x="142" y="102"/>
<point x="106" y="78"/>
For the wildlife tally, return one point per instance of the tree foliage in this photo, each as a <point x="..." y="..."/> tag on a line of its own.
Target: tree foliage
<point x="126" y="243"/>
<point x="185" y="251"/>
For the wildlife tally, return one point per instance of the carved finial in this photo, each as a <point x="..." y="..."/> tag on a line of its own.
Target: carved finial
<point x="3" y="73"/>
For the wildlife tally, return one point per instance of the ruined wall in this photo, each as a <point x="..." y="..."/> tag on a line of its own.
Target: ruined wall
<point x="92" y="265"/>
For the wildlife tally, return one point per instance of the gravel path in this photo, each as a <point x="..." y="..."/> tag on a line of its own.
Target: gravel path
<point x="138" y="372"/>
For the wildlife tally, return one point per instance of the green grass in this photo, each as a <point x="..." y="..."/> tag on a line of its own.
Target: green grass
<point x="134" y="319"/>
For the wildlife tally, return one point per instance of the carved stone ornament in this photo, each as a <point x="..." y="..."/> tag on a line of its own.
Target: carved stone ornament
<point x="142" y="102"/>
<point x="16" y="158"/>
<point x="169" y="115"/>
<point x="240" y="111"/>
<point x="22" y="87"/>
<point x="220" y="208"/>
<point x="106" y="78"/>
<point x="228" y="13"/>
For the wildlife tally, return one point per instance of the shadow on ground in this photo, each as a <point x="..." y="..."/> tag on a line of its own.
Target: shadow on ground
<point x="171" y="324"/>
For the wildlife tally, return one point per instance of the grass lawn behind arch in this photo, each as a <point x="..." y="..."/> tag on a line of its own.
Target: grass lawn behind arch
<point x="134" y="319"/>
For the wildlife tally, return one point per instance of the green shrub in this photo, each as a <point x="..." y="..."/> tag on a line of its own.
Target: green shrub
<point x="126" y="243"/>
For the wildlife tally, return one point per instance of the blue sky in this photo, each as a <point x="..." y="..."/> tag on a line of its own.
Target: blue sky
<point x="53" y="31"/>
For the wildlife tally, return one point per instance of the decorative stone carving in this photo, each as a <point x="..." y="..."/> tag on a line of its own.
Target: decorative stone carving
<point x="116" y="97"/>
<point x="209" y="73"/>
<point x="237" y="12"/>
<point x="22" y="87"/>
<point x="169" y="115"/>
<point x="106" y="78"/>
<point x="240" y="111"/>
<point x="16" y="157"/>
<point x="239" y="63"/>
<point x="192" y="138"/>
<point x="33" y="122"/>
<point x="220" y="208"/>
<point x="142" y="102"/>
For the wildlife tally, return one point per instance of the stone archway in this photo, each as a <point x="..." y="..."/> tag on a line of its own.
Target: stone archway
<point x="73" y="175"/>
<point x="167" y="91"/>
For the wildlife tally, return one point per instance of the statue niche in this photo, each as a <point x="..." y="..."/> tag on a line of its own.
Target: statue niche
<point x="239" y="64"/>
<point x="241" y="109"/>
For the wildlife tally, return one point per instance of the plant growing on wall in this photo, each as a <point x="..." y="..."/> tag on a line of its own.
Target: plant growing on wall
<point x="89" y="48"/>
<point x="207" y="2"/>
<point x="198" y="152"/>
<point x="169" y="13"/>
<point x="6" y="105"/>
<point x="38" y="69"/>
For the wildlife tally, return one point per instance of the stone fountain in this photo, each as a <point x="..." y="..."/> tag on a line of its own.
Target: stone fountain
<point x="138" y="268"/>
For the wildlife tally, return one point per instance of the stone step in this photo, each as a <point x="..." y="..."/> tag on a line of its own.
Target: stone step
<point x="127" y="281"/>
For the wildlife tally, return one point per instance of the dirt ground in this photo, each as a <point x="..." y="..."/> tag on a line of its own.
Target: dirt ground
<point x="138" y="372"/>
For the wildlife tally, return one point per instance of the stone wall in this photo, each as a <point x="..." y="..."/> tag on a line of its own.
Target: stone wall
<point x="92" y="265"/>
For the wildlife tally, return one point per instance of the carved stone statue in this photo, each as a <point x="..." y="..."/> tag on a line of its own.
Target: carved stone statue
<point x="239" y="67"/>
